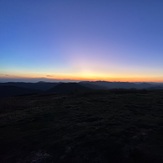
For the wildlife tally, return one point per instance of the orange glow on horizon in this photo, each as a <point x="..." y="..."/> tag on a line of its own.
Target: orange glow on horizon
<point x="84" y="77"/>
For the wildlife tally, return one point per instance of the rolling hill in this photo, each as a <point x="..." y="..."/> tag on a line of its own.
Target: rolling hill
<point x="65" y="88"/>
<point x="6" y="91"/>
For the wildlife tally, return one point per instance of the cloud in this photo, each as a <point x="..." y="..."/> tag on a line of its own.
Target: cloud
<point x="49" y="76"/>
<point x="4" y="75"/>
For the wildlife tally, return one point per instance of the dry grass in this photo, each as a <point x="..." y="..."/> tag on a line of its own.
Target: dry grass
<point x="116" y="126"/>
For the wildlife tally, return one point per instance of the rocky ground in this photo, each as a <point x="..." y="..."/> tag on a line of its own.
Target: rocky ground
<point x="98" y="127"/>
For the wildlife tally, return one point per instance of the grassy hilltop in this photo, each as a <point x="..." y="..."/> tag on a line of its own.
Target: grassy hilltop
<point x="99" y="127"/>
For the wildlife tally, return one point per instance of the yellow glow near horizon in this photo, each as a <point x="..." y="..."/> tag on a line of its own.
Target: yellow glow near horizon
<point x="84" y="76"/>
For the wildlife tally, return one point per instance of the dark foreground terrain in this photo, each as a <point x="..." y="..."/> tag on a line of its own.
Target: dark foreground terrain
<point x="119" y="126"/>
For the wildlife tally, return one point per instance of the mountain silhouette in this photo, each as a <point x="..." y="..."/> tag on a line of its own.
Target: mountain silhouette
<point x="67" y="88"/>
<point x="22" y="88"/>
<point x="92" y="85"/>
<point x="43" y="86"/>
<point x="6" y="91"/>
<point x="123" y="85"/>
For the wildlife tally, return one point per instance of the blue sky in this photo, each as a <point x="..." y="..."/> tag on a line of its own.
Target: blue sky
<point x="81" y="40"/>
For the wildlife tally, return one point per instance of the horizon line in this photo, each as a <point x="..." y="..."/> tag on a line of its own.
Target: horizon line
<point x="49" y="80"/>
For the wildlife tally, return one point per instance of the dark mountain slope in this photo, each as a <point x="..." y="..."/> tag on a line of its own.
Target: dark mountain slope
<point x="124" y="85"/>
<point x="6" y="91"/>
<point x="43" y="86"/>
<point x="69" y="88"/>
<point x="92" y="85"/>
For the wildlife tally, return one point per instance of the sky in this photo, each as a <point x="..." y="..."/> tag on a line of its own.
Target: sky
<point x="111" y="40"/>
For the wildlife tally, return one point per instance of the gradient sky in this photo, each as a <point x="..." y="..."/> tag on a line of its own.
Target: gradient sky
<point x="116" y="40"/>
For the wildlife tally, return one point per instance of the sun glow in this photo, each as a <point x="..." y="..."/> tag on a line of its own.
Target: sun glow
<point x="82" y="76"/>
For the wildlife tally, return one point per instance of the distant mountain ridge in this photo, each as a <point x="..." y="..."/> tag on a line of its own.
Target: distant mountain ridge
<point x="69" y="88"/>
<point x="21" y="88"/>
<point x="6" y="91"/>
<point x="43" y="86"/>
<point x="117" y="85"/>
